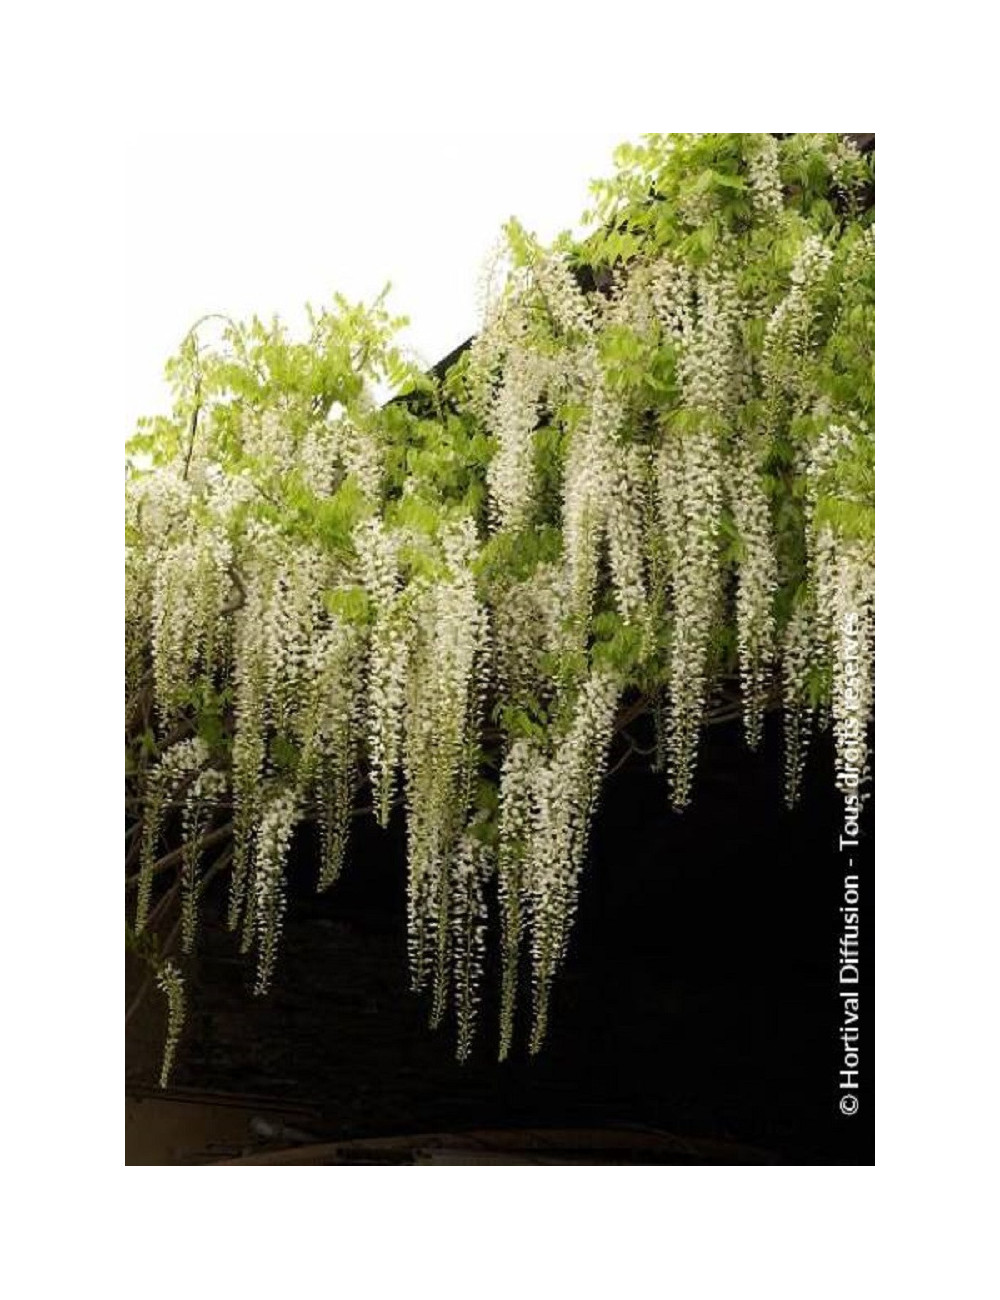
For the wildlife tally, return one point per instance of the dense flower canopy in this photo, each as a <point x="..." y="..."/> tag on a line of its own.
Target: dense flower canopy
<point x="651" y="475"/>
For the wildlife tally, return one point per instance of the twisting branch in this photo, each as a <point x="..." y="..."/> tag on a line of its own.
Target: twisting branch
<point x="220" y="864"/>
<point x="147" y="982"/>
<point x="630" y="749"/>
<point x="139" y="699"/>
<point x="193" y="426"/>
<point x="191" y="338"/>
<point x="135" y="848"/>
<point x="171" y="859"/>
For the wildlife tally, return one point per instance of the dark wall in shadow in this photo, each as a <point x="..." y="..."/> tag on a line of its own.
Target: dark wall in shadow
<point x="700" y="996"/>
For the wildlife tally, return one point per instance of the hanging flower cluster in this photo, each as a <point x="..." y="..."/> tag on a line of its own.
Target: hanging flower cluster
<point x="203" y="795"/>
<point x="274" y="835"/>
<point x="171" y="984"/>
<point x="378" y="555"/>
<point x="444" y="690"/>
<point x="650" y="477"/>
<point x="546" y="802"/>
<point x="180" y="765"/>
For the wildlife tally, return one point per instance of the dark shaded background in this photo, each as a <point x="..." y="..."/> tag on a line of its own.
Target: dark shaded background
<point x="699" y="997"/>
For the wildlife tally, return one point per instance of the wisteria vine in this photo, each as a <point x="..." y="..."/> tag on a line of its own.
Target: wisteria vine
<point x="651" y="476"/>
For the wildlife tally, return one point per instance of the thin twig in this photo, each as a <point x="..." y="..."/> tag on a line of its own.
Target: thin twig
<point x="218" y="865"/>
<point x="146" y="984"/>
<point x="629" y="751"/>
<point x="170" y="859"/>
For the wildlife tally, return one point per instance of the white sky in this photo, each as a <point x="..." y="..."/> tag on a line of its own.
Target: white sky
<point x="242" y="224"/>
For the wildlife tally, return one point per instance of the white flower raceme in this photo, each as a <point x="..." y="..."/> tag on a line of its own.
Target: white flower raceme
<point x="567" y="305"/>
<point x="788" y="337"/>
<point x="631" y="303"/>
<point x="292" y="617"/>
<point x="274" y="835"/>
<point x="504" y="326"/>
<point x="534" y="625"/>
<point x="564" y="795"/>
<point x="843" y="576"/>
<point x="519" y="778"/>
<point x="156" y="506"/>
<point x="378" y="558"/>
<point x="492" y="283"/>
<point x="627" y="501"/>
<point x="710" y="361"/>
<point x="361" y="455"/>
<point x="843" y="159"/>
<point x="157" y="503"/>
<point x="199" y="804"/>
<point x="689" y="494"/>
<point x="171" y="984"/>
<point x="269" y="438"/>
<point x="190" y="587"/>
<point x="545" y="810"/>
<point x="588" y="484"/>
<point x="512" y="420"/>
<point x="472" y="867"/>
<point x="757" y="578"/>
<point x="846" y="585"/>
<point x="179" y="764"/>
<point x="317" y="458"/>
<point x="443" y="702"/>
<point x="249" y="733"/>
<point x="264" y="633"/>
<point x="765" y="181"/>
<point x="797" y="655"/>
<point x="670" y="286"/>
<point x="328" y="734"/>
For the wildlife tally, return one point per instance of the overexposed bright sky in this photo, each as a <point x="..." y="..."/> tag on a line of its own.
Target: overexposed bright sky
<point x="241" y="224"/>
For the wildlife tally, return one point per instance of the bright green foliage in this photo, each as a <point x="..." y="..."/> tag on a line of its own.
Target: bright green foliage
<point x="650" y="476"/>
